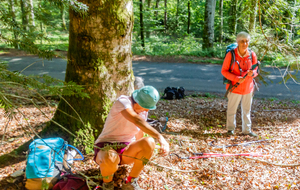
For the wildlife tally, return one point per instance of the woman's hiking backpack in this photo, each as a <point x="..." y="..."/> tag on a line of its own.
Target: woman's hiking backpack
<point x="230" y="48"/>
<point x="45" y="162"/>
<point x="174" y="93"/>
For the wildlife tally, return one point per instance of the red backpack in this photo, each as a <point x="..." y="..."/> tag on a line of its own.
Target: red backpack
<point x="70" y="182"/>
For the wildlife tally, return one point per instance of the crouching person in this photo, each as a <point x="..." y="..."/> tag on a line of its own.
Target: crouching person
<point x="125" y="126"/>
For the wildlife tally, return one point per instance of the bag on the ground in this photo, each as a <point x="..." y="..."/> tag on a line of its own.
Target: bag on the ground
<point x="71" y="182"/>
<point x="230" y="48"/>
<point x="160" y="125"/>
<point x="174" y="93"/>
<point x="45" y="162"/>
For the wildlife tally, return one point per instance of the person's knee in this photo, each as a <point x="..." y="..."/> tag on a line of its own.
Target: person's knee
<point x="149" y="143"/>
<point x="108" y="158"/>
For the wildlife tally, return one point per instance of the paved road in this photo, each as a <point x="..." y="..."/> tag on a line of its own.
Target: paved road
<point x="194" y="77"/>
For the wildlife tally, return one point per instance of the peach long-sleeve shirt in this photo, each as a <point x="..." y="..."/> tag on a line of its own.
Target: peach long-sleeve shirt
<point x="245" y="63"/>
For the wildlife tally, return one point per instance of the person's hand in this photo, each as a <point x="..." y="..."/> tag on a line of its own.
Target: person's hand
<point x="164" y="146"/>
<point x="241" y="80"/>
<point x="250" y="73"/>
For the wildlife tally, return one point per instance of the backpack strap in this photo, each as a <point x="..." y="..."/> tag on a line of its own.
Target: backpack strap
<point x="233" y="62"/>
<point x="250" y="54"/>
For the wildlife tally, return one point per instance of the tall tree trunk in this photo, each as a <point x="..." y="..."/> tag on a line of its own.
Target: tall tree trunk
<point x="23" y="12"/>
<point x="177" y="12"/>
<point x="189" y="17"/>
<point x="63" y="20"/>
<point x="15" y="25"/>
<point x="288" y="18"/>
<point x="42" y="31"/>
<point x="32" y="14"/>
<point x="142" y="24"/>
<point x="293" y="20"/>
<point x="148" y="14"/>
<point x="165" y="17"/>
<point x="208" y="36"/>
<point x="156" y="11"/>
<point x="233" y="17"/>
<point x="253" y="14"/>
<point x="99" y="59"/>
<point x="221" y="20"/>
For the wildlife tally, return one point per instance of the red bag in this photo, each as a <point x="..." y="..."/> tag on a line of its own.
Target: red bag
<point x="70" y="182"/>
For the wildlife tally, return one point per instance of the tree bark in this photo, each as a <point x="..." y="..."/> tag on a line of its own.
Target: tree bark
<point x="23" y="12"/>
<point x="165" y="17"/>
<point x="142" y="24"/>
<point x="221" y="21"/>
<point x="208" y="36"/>
<point x="63" y="20"/>
<point x="253" y="14"/>
<point x="99" y="59"/>
<point x="31" y="14"/>
<point x="15" y="25"/>
<point x="177" y="12"/>
<point x="148" y="14"/>
<point x="156" y="11"/>
<point x="233" y="17"/>
<point x="189" y="17"/>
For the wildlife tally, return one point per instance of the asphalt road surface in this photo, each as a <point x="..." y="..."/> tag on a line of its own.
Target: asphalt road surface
<point x="193" y="77"/>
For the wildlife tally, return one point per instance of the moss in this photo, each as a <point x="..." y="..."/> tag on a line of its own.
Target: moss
<point x="107" y="104"/>
<point x="115" y="10"/>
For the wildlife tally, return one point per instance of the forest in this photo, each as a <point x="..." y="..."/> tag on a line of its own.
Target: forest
<point x="166" y="28"/>
<point x="99" y="40"/>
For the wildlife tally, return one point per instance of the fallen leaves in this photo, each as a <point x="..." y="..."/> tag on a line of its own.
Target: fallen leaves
<point x="194" y="122"/>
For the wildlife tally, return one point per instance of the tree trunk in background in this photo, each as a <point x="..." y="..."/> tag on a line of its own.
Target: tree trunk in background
<point x="142" y="24"/>
<point x="221" y="21"/>
<point x="253" y="14"/>
<point x="147" y="16"/>
<point x="177" y="12"/>
<point x="42" y="31"/>
<point x="165" y="17"/>
<point x="293" y="20"/>
<point x="208" y="33"/>
<point x="233" y="17"/>
<point x="15" y="25"/>
<point x="23" y="12"/>
<point x="288" y="20"/>
<point x="31" y="14"/>
<point x="63" y="20"/>
<point x="26" y="15"/>
<point x="156" y="7"/>
<point x="99" y="59"/>
<point x="189" y="16"/>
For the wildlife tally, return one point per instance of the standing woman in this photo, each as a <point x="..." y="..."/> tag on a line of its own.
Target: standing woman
<point x="244" y="91"/>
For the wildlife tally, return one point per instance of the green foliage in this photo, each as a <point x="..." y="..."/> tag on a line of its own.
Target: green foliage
<point x="36" y="38"/>
<point x="153" y="117"/>
<point x="32" y="89"/>
<point x="45" y="185"/>
<point x="85" y="138"/>
<point x="167" y="46"/>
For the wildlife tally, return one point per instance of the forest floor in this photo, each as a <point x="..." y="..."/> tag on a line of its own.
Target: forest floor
<point x="196" y="125"/>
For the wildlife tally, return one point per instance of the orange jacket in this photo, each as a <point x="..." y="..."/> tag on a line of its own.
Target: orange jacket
<point x="245" y="63"/>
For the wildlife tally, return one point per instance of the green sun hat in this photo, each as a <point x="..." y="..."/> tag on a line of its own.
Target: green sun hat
<point x="147" y="97"/>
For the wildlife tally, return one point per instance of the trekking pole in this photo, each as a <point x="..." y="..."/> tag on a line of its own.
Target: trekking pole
<point x="214" y="155"/>
<point x="232" y="87"/>
<point x="240" y="144"/>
